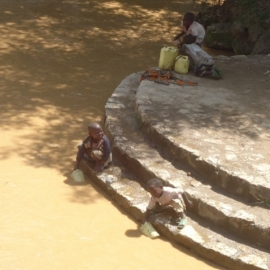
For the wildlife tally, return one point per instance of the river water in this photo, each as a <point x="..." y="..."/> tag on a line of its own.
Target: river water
<point x="60" y="62"/>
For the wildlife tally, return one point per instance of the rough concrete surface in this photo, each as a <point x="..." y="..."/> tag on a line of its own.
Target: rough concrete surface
<point x="223" y="132"/>
<point x="220" y="136"/>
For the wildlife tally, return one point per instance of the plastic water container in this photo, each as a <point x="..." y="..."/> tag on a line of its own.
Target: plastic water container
<point x="181" y="64"/>
<point x="167" y="57"/>
<point x="148" y="230"/>
<point x="77" y="176"/>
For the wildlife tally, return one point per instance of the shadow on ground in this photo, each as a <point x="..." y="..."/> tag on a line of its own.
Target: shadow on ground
<point x="61" y="61"/>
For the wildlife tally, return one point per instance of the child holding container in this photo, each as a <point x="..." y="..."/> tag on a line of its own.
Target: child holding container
<point x="96" y="147"/>
<point x="164" y="197"/>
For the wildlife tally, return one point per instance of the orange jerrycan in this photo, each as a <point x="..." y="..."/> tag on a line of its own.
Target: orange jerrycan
<point x="167" y="57"/>
<point x="181" y="64"/>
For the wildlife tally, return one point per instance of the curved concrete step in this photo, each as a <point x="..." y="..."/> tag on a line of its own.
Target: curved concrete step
<point x="214" y="131"/>
<point x="197" y="236"/>
<point x="130" y="147"/>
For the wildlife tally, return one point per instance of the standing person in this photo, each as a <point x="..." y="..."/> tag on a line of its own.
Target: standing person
<point x="164" y="197"/>
<point x="193" y="32"/>
<point x="96" y="147"/>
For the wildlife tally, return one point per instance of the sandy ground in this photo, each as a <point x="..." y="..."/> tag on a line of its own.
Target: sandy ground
<point x="60" y="61"/>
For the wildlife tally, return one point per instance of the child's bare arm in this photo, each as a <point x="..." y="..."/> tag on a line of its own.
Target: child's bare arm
<point x="77" y="165"/>
<point x="146" y="215"/>
<point x="179" y="35"/>
<point x="188" y="202"/>
<point x="79" y="156"/>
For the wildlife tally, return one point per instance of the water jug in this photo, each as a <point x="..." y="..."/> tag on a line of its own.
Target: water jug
<point x="148" y="230"/>
<point x="167" y="57"/>
<point x="77" y="176"/>
<point x="181" y="64"/>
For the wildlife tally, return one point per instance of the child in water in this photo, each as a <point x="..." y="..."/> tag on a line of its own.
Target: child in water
<point x="164" y="197"/>
<point x="193" y="31"/>
<point x="96" y="147"/>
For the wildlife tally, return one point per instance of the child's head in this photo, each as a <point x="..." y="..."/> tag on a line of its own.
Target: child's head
<point x="188" y="19"/>
<point x="95" y="131"/>
<point x="155" y="187"/>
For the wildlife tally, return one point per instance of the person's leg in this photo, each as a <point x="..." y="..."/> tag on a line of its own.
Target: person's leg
<point x="151" y="216"/>
<point x="179" y="206"/>
<point x="202" y="70"/>
<point x="181" y="220"/>
<point x="216" y="73"/>
<point x="108" y="161"/>
<point x="96" y="155"/>
<point x="85" y="156"/>
<point x="189" y="39"/>
<point x="159" y="208"/>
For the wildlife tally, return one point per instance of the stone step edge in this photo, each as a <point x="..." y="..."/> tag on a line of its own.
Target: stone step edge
<point x="236" y="225"/>
<point x="241" y="225"/>
<point x="239" y="186"/>
<point x="219" y="253"/>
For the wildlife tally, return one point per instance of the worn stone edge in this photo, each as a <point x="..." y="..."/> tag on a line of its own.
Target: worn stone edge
<point x="235" y="224"/>
<point x="217" y="175"/>
<point x="232" y="262"/>
<point x="220" y="253"/>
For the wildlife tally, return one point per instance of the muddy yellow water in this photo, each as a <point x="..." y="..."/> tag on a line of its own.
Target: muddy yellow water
<point x="59" y="62"/>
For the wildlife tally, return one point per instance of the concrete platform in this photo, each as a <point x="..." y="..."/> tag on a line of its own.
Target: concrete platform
<point x="198" y="126"/>
<point x="219" y="132"/>
<point x="203" y="139"/>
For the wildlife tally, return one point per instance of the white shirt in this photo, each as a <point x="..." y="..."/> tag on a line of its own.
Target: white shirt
<point x="168" y="194"/>
<point x="196" y="30"/>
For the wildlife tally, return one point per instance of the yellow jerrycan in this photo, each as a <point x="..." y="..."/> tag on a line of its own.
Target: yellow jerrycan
<point x="167" y="57"/>
<point x="181" y="64"/>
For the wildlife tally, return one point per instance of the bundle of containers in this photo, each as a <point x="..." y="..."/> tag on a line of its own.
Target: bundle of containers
<point x="193" y="55"/>
<point x="169" y="59"/>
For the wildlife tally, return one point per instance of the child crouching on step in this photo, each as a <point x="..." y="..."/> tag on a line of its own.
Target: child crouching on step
<point x="96" y="147"/>
<point x="164" y="197"/>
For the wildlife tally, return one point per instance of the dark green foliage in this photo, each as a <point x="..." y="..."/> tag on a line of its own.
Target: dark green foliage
<point x="241" y="46"/>
<point x="215" y="12"/>
<point x="249" y="20"/>
<point x="219" y="40"/>
<point x="247" y="11"/>
<point x="254" y="11"/>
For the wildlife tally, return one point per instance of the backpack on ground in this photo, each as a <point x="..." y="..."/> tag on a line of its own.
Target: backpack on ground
<point x="200" y="61"/>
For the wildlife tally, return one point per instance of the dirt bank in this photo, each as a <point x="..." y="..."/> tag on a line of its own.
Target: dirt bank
<point x="60" y="61"/>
